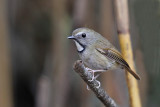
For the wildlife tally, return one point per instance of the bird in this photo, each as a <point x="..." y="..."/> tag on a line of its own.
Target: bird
<point x="98" y="54"/>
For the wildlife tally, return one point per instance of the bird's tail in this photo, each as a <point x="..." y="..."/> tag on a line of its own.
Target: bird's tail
<point x="133" y="73"/>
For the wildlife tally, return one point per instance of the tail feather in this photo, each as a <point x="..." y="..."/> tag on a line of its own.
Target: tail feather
<point x="133" y="73"/>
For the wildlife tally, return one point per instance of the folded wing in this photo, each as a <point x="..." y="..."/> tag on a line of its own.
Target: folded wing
<point x="116" y="56"/>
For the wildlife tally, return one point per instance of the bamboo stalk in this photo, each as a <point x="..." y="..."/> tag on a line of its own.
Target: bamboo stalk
<point x="5" y="74"/>
<point x="122" y="18"/>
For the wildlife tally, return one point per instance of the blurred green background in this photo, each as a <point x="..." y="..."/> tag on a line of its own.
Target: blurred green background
<point x="36" y="58"/>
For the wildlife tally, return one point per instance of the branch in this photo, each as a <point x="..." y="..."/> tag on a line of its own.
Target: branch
<point x="100" y="93"/>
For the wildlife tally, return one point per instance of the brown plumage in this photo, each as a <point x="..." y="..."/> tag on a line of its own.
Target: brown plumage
<point x="116" y="56"/>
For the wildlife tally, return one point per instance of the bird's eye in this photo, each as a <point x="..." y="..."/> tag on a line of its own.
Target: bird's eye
<point x="83" y="35"/>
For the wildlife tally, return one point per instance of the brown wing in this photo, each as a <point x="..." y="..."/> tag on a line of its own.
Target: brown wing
<point x="116" y="56"/>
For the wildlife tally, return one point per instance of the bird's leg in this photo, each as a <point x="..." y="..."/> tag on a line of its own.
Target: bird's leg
<point x="99" y="84"/>
<point x="94" y="77"/>
<point x="97" y="76"/>
<point x="94" y="71"/>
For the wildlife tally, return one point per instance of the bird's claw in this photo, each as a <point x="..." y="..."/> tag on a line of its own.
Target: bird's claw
<point x="99" y="84"/>
<point x="93" y="77"/>
<point x="92" y="71"/>
<point x="88" y="88"/>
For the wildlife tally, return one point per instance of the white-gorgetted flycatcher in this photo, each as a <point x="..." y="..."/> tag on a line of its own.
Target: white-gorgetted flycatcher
<point x="97" y="53"/>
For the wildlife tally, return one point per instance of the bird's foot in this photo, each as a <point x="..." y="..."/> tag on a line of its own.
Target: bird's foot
<point x="94" y="77"/>
<point x="93" y="71"/>
<point x="99" y="84"/>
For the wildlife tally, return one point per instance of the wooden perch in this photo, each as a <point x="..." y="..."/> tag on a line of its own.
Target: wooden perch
<point x="100" y="93"/>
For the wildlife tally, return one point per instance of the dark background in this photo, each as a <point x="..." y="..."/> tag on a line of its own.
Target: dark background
<point x="36" y="58"/>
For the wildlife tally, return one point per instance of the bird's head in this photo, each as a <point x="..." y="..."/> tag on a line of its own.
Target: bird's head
<point x="84" y="37"/>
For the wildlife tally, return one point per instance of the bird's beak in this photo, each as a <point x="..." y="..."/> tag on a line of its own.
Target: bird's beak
<point x="71" y="37"/>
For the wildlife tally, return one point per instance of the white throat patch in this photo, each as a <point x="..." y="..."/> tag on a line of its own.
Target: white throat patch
<point x="79" y="47"/>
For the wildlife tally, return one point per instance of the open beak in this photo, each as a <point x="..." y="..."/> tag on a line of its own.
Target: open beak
<point x="71" y="37"/>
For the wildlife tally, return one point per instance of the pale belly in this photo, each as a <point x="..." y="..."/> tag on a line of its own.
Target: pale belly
<point x="97" y="61"/>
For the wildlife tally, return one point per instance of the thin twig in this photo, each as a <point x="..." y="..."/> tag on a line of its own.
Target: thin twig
<point x="100" y="93"/>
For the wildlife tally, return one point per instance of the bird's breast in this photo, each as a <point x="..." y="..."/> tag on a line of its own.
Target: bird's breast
<point x="95" y="60"/>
